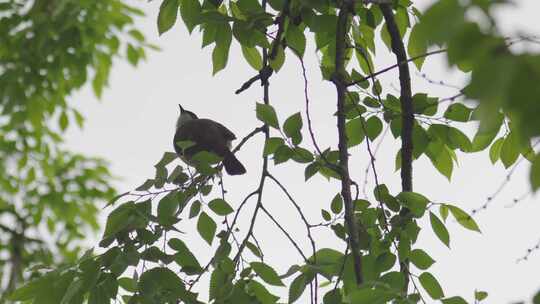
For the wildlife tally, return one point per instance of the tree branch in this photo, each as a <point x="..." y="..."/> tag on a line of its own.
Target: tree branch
<point x="399" y="64"/>
<point x="407" y="114"/>
<point x="341" y="87"/>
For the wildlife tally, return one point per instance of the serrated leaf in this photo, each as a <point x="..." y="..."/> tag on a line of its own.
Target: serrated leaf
<point x="168" y="11"/>
<point x="267" y="273"/>
<point x="206" y="227"/>
<point x="220" y="207"/>
<point x="267" y="114"/>
<point x="431" y="285"/>
<point x="439" y="229"/>
<point x="463" y="218"/>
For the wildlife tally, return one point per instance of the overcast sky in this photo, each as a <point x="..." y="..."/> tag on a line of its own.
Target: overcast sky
<point x="133" y="125"/>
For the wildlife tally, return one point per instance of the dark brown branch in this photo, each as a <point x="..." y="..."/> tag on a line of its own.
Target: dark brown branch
<point x="284" y="231"/>
<point x="399" y="64"/>
<point x="407" y="114"/>
<point x="263" y="75"/>
<point x="341" y="87"/>
<point x="297" y="207"/>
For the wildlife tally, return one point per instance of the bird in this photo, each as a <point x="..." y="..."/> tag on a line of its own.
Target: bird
<point x="205" y="135"/>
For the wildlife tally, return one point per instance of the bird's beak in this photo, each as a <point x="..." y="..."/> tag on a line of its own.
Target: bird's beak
<point x="181" y="109"/>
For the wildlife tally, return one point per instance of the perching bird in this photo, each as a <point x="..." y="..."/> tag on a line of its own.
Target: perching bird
<point x="206" y="135"/>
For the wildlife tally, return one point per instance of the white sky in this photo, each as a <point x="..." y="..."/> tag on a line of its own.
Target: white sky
<point x="134" y="125"/>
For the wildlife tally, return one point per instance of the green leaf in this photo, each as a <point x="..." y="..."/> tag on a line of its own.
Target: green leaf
<point x="458" y="112"/>
<point x="254" y="249"/>
<point x="371" y="296"/>
<point x="184" y="257"/>
<point x="355" y="132"/>
<point x="296" y="40"/>
<point x="63" y="121"/>
<point x="463" y="218"/>
<point x="271" y="145"/>
<point x="440" y="229"/>
<point x="220" y="55"/>
<point x="326" y="215"/>
<point x="454" y="300"/>
<point x="440" y="158"/>
<point x="161" y="285"/>
<point x="292" y="128"/>
<point x="510" y="149"/>
<point x="311" y="170"/>
<point x="337" y="204"/>
<point x="267" y="114"/>
<point x="168" y="206"/>
<point x="421" y="259"/>
<point x="168" y="11"/>
<point x="253" y="57"/>
<point x="534" y="174"/>
<point x="132" y="54"/>
<point x="297" y="287"/>
<point x="128" y="284"/>
<point x="220" y="207"/>
<point x="536" y="298"/>
<point x="267" y="273"/>
<point x="261" y="293"/>
<point x="385" y="262"/>
<point x="395" y="279"/>
<point x="430" y="284"/>
<point x="194" y="209"/>
<point x="206" y="227"/>
<point x="416" y="202"/>
<point x="190" y="10"/>
<point x="166" y="159"/>
<point x="495" y="150"/>
<point x="374" y="127"/>
<point x="278" y="62"/>
<point x="480" y="295"/>
<point x="417" y="46"/>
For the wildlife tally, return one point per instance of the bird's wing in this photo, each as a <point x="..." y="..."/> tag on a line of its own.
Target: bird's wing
<point x="227" y="134"/>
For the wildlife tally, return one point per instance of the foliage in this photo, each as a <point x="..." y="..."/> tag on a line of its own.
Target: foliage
<point x="48" y="50"/>
<point x="382" y="262"/>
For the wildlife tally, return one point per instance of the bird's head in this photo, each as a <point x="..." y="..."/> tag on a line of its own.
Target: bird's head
<point x="185" y="116"/>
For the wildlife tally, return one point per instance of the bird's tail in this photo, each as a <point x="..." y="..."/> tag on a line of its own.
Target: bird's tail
<point x="232" y="165"/>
